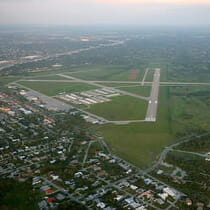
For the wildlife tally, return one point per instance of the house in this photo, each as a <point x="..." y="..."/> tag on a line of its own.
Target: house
<point x="118" y="198"/>
<point x="163" y="195"/>
<point x="42" y="205"/>
<point x="188" y="201"/>
<point x="50" y="199"/>
<point x="133" y="187"/>
<point x="78" y="174"/>
<point x="5" y="109"/>
<point x="147" y="181"/>
<point x="32" y="98"/>
<point x="101" y="173"/>
<point x="49" y="191"/>
<point x="44" y="188"/>
<point x="170" y="192"/>
<point x="60" y="196"/>
<point x="101" y="205"/>
<point x="159" y="172"/>
<point x="160" y="201"/>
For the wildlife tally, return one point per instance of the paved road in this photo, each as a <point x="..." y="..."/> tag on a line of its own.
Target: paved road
<point x="153" y="101"/>
<point x="161" y="83"/>
<point x="145" y="75"/>
<point x="189" y="152"/>
<point x="124" y="122"/>
<point x="167" y="149"/>
<point x="86" y="153"/>
<point x="122" y="82"/>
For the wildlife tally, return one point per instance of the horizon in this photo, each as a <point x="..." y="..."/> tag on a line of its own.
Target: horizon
<point x="100" y="12"/>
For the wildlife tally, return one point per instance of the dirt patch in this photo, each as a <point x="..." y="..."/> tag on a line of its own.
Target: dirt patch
<point x="133" y="74"/>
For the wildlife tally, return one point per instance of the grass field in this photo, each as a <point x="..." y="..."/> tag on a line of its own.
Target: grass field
<point x="49" y="77"/>
<point x="118" y="84"/>
<point x="52" y="88"/>
<point x="141" y="143"/>
<point x="121" y="108"/>
<point x="191" y="106"/>
<point x="149" y="76"/>
<point x="139" y="90"/>
<point x="107" y="72"/>
<point x="5" y="80"/>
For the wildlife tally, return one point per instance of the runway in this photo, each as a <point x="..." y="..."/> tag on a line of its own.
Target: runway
<point x="153" y="101"/>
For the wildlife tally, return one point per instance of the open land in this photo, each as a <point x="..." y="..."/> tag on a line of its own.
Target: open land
<point x="135" y="141"/>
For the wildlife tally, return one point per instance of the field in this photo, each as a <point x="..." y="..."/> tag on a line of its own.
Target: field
<point x="141" y="143"/>
<point x="109" y="73"/>
<point x="48" y="77"/>
<point x="149" y="76"/>
<point x="52" y="88"/>
<point x="139" y="90"/>
<point x="5" y="80"/>
<point x="121" y="108"/>
<point x="190" y="108"/>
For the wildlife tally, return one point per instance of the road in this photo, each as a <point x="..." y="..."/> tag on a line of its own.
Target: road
<point x="153" y="101"/>
<point x="86" y="153"/>
<point x="62" y="190"/>
<point x="57" y="55"/>
<point x="145" y="75"/>
<point x="170" y="148"/>
<point x="122" y="82"/>
<point x="189" y="152"/>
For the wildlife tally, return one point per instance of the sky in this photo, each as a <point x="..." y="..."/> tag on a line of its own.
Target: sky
<point x="90" y="12"/>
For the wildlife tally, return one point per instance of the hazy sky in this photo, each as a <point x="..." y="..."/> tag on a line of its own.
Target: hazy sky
<point x="73" y="12"/>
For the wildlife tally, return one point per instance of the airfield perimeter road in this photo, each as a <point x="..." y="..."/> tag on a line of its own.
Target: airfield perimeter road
<point x="145" y="75"/>
<point x="153" y="102"/>
<point x="122" y="82"/>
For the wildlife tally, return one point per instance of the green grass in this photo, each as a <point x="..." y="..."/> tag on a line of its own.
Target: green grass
<point x="141" y="143"/>
<point x="54" y="88"/>
<point x="150" y="75"/>
<point x="121" y="108"/>
<point x="191" y="106"/>
<point x="106" y="72"/>
<point x="5" y="80"/>
<point x="139" y="90"/>
<point x="115" y="85"/>
<point x="17" y="195"/>
<point x="49" y="77"/>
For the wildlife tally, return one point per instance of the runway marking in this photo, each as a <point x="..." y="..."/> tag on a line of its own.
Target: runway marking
<point x="153" y="100"/>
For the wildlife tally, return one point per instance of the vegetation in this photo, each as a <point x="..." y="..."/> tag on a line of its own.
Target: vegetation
<point x="139" y="90"/>
<point x="140" y="143"/>
<point x="107" y="72"/>
<point x="52" y="88"/>
<point x="121" y="108"/>
<point x="197" y="170"/>
<point x="197" y="144"/>
<point x="11" y="198"/>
